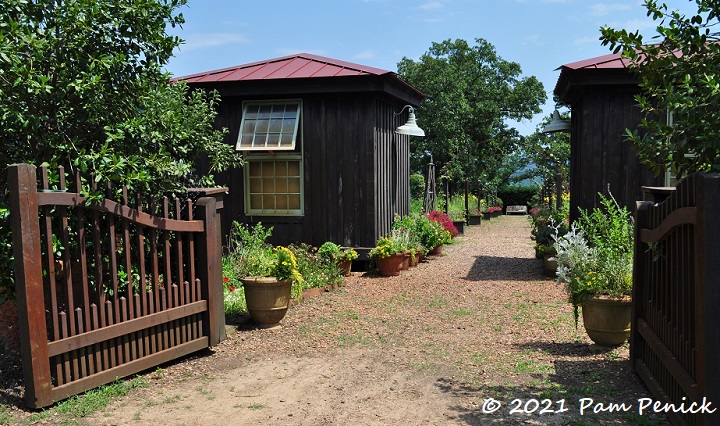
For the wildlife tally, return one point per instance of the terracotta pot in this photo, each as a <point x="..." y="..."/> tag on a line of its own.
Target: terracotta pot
<point x="267" y="299"/>
<point x="414" y="260"/>
<point x="406" y="260"/>
<point x="607" y="320"/>
<point x="437" y="251"/>
<point x="345" y="267"/>
<point x="390" y="266"/>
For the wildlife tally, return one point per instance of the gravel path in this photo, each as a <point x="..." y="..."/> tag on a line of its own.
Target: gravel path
<point x="437" y="345"/>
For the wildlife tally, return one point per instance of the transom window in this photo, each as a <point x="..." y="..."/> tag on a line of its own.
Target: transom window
<point x="269" y="126"/>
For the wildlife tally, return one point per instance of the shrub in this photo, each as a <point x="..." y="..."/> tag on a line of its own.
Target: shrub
<point x="417" y="186"/>
<point x="316" y="269"/>
<point x="444" y="220"/>
<point x="595" y="257"/>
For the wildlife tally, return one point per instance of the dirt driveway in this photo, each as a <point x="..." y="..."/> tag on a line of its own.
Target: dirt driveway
<point x="460" y="339"/>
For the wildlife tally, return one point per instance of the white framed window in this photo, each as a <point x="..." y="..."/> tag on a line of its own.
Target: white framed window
<point x="269" y="126"/>
<point x="271" y="137"/>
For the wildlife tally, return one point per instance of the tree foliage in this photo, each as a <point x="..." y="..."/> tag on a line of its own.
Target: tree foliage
<point x="680" y="85"/>
<point x="545" y="155"/>
<point x="472" y="92"/>
<point x="83" y="86"/>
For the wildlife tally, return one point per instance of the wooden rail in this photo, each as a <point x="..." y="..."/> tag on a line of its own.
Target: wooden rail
<point x="106" y="289"/>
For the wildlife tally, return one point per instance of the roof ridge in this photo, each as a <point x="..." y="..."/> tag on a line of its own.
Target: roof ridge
<point x="329" y="62"/>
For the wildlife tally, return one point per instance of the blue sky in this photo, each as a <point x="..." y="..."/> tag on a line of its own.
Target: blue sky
<point x="540" y="35"/>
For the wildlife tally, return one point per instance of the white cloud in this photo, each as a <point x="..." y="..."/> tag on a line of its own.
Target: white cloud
<point x="533" y="40"/>
<point x="203" y="41"/>
<point x="365" y="54"/>
<point x="604" y="9"/>
<point x="431" y="5"/>
<point x="583" y="41"/>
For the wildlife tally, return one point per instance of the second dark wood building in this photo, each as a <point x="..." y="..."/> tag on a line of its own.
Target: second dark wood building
<point x="600" y="92"/>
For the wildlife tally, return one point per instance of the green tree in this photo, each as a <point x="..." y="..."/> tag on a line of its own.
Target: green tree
<point x="83" y="86"/>
<point x="680" y="87"/>
<point x="545" y="155"/>
<point x="472" y="92"/>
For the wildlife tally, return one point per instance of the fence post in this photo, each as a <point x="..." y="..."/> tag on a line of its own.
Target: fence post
<point x="22" y="182"/>
<point x="210" y="269"/>
<point x="640" y="259"/>
<point x="708" y="287"/>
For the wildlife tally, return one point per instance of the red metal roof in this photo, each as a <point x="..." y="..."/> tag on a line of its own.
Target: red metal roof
<point x="301" y="65"/>
<point x="611" y="61"/>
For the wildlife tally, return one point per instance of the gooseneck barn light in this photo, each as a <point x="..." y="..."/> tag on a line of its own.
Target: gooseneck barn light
<point x="410" y="128"/>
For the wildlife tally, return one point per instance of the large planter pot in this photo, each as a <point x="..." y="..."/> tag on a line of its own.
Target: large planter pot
<point x="267" y="299"/>
<point x="474" y="219"/>
<point x="437" y="251"/>
<point x="550" y="264"/>
<point x="345" y="267"/>
<point x="390" y="266"/>
<point x="406" y="261"/>
<point x="414" y="260"/>
<point x="607" y="320"/>
<point x="460" y="225"/>
<point x="487" y="215"/>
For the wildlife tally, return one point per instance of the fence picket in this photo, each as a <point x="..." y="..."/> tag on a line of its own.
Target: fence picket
<point x="106" y="319"/>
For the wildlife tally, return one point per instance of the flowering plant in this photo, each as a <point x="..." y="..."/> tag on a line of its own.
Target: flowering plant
<point x="494" y="209"/>
<point x="385" y="247"/>
<point x="334" y="252"/>
<point x="595" y="256"/>
<point x="256" y="258"/>
<point x="445" y="221"/>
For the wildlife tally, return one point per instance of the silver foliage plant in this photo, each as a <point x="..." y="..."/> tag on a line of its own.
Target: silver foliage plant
<point x="574" y="256"/>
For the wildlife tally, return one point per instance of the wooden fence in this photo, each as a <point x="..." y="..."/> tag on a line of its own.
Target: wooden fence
<point x="106" y="290"/>
<point x="675" y="343"/>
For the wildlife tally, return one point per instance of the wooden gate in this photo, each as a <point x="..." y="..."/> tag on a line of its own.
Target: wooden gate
<point x="105" y="290"/>
<point x="675" y="343"/>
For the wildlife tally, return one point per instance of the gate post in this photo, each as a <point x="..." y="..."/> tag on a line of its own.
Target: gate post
<point x="211" y="269"/>
<point x="22" y="182"/>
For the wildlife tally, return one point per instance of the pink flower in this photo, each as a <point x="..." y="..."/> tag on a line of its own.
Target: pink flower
<point x="231" y="287"/>
<point x="226" y="280"/>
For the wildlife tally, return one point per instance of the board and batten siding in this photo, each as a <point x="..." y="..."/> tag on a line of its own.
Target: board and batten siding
<point x="355" y="171"/>
<point x="392" y="168"/>
<point x="601" y="158"/>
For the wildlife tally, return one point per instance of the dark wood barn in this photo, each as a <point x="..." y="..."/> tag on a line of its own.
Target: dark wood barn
<point x="600" y="92"/>
<point x="323" y="161"/>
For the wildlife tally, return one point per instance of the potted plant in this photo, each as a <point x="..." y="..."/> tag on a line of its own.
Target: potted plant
<point x="431" y="234"/>
<point x="458" y="221"/>
<point x="475" y="217"/>
<point x="267" y="274"/>
<point x="388" y="256"/>
<point x="341" y="257"/>
<point x="494" y="211"/>
<point x="595" y="263"/>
